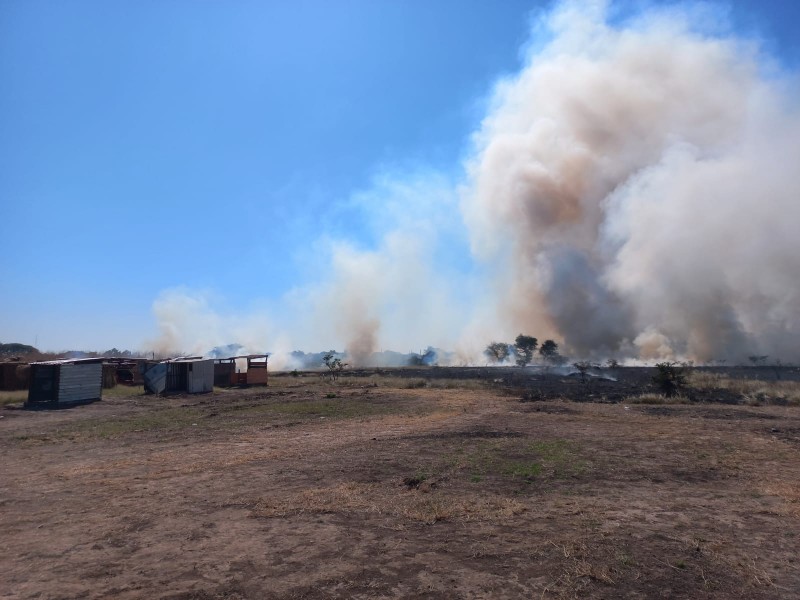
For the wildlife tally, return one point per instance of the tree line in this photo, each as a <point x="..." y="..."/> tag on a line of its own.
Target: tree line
<point x="523" y="349"/>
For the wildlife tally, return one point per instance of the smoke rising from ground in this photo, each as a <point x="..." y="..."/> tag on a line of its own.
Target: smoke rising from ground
<point x="632" y="191"/>
<point x="638" y="182"/>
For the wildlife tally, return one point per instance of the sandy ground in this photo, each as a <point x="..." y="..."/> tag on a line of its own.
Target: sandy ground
<point x="373" y="488"/>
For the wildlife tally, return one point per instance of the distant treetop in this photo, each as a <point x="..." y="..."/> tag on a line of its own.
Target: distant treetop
<point x="15" y="348"/>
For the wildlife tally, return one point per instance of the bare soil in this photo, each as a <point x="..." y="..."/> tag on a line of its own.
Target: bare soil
<point x="402" y="484"/>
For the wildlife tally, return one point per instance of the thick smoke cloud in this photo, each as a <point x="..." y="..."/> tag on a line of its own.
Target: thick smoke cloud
<point x="638" y="181"/>
<point x="633" y="191"/>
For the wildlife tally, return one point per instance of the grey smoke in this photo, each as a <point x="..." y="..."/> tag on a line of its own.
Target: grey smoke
<point x="640" y="183"/>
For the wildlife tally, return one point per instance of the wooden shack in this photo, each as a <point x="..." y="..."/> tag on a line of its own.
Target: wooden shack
<point x="14" y="375"/>
<point x="65" y="383"/>
<point x="250" y="369"/>
<point x="124" y="370"/>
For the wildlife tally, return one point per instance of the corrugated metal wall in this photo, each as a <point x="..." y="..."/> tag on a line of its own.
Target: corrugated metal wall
<point x="200" y="377"/>
<point x="155" y="378"/>
<point x="80" y="382"/>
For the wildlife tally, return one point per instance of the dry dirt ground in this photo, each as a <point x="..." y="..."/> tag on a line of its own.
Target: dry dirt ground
<point x="387" y="486"/>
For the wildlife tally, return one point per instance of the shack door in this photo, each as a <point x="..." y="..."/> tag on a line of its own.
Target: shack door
<point x="200" y="377"/>
<point x="44" y="383"/>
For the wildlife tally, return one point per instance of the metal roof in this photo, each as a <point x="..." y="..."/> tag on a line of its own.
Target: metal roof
<point x="188" y="359"/>
<point x="70" y="361"/>
<point x="266" y="356"/>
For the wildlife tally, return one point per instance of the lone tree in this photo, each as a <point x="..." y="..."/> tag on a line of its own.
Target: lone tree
<point x="334" y="364"/>
<point x="549" y="351"/>
<point x="669" y="377"/>
<point x="497" y="352"/>
<point x="524" y="347"/>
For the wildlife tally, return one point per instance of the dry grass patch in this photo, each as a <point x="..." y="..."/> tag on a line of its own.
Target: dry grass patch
<point x="515" y="458"/>
<point x="13" y="397"/>
<point x="682" y="562"/>
<point x="124" y="391"/>
<point x="457" y="384"/>
<point x="753" y="391"/>
<point x="788" y="491"/>
<point x="406" y="505"/>
<point x="653" y="398"/>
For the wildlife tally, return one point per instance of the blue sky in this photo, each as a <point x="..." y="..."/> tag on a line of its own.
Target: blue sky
<point x="210" y="145"/>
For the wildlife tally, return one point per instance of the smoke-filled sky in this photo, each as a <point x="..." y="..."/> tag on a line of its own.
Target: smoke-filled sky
<point x="619" y="176"/>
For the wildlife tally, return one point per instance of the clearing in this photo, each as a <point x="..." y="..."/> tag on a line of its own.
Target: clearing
<point x="437" y="483"/>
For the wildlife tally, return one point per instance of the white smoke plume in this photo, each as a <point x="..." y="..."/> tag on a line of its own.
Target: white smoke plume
<point x="640" y="183"/>
<point x="190" y="324"/>
<point x="633" y="191"/>
<point x="397" y="296"/>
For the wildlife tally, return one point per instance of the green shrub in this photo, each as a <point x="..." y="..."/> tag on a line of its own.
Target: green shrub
<point x="669" y="378"/>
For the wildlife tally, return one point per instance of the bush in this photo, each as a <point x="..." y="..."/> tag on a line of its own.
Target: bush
<point x="669" y="378"/>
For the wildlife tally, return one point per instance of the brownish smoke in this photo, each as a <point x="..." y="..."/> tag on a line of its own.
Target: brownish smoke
<point x="638" y="182"/>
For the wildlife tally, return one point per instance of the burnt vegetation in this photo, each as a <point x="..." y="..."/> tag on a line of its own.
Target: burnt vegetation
<point x="552" y="375"/>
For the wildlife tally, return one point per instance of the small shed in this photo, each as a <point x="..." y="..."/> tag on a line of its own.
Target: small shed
<point x="252" y="369"/>
<point x="191" y="375"/>
<point x="64" y="383"/>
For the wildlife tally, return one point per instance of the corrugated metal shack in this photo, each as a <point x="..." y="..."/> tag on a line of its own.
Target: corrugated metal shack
<point x="64" y="383"/>
<point x="192" y="375"/>
<point x="252" y="369"/>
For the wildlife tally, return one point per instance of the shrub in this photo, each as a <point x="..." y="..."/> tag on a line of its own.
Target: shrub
<point x="669" y="378"/>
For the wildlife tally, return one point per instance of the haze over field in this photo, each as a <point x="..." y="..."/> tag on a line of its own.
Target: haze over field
<point x="630" y="190"/>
